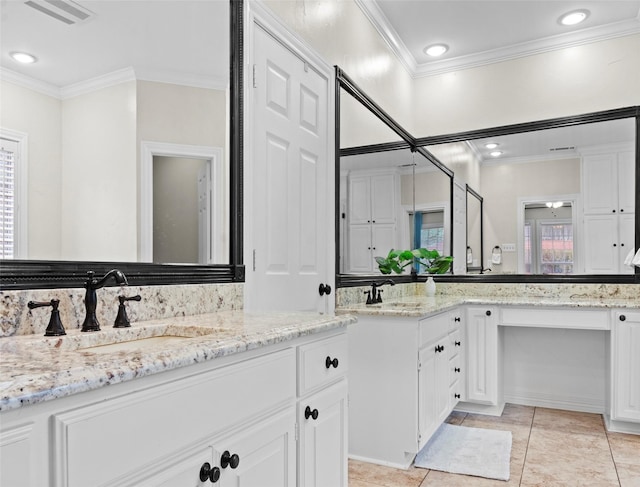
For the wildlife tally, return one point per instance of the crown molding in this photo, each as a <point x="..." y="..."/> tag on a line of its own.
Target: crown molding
<point x="30" y="83"/>
<point x="184" y="79"/>
<point x="97" y="83"/>
<point x="547" y="44"/>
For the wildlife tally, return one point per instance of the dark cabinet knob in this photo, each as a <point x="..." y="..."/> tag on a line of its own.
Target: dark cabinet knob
<point x="621" y="210"/>
<point x="324" y="289"/>
<point x="329" y="363"/>
<point x="613" y="211"/>
<point x="439" y="348"/>
<point x="488" y="313"/>
<point x="457" y="396"/>
<point x="308" y="413"/>
<point x="229" y="460"/>
<point x="622" y="318"/>
<point x="208" y="473"/>
<point x="615" y="245"/>
<point x="457" y="319"/>
<point x="457" y="344"/>
<point x="456" y="369"/>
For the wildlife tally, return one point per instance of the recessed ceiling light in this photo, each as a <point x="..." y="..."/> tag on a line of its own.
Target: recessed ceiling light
<point x="436" y="50"/>
<point x="575" y="17"/>
<point x="23" y="57"/>
<point x="491" y="145"/>
<point x="495" y="153"/>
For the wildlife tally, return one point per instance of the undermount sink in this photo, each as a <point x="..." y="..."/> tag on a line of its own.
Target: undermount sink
<point x="133" y="338"/>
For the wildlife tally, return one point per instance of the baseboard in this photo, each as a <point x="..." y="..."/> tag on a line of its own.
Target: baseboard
<point x="621" y="426"/>
<point x="488" y="409"/>
<point x="581" y="404"/>
<point x="381" y="462"/>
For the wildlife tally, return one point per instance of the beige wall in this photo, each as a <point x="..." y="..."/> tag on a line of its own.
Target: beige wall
<point x="38" y="116"/>
<point x="99" y="183"/>
<point x="503" y="184"/>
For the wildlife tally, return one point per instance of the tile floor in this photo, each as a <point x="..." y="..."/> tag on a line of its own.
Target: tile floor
<point x="550" y="448"/>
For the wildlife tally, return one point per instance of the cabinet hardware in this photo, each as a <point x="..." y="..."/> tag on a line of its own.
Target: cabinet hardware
<point x="456" y="369"/>
<point x="328" y="363"/>
<point x="457" y="344"/>
<point x="229" y="460"/>
<point x="622" y="317"/>
<point x="308" y="413"/>
<point x="208" y="473"/>
<point x="439" y="348"/>
<point x="457" y="319"/>
<point x="488" y="313"/>
<point x="457" y="396"/>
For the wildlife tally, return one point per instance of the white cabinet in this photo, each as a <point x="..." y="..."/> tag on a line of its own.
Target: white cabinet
<point x="322" y="413"/>
<point x="482" y="346"/>
<point x="625" y="385"/>
<point x="608" y="182"/>
<point x="372" y="227"/>
<point x="400" y="386"/>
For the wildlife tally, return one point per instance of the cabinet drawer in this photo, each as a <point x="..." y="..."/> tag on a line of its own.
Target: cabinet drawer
<point x="455" y="369"/>
<point x="434" y="328"/>
<point x="321" y="362"/>
<point x="455" y="342"/>
<point x="582" y="319"/>
<point x="125" y="430"/>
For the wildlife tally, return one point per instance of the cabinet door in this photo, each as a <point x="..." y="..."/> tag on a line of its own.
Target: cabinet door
<point x="266" y="454"/>
<point x="383" y="239"/>
<point x="322" y="455"/>
<point x="626" y="230"/>
<point x="383" y="199"/>
<point x="626" y="366"/>
<point x="482" y="371"/>
<point x="433" y="389"/>
<point x="600" y="182"/>
<point x="601" y="246"/>
<point x="359" y="200"/>
<point x="626" y="182"/>
<point x="359" y="257"/>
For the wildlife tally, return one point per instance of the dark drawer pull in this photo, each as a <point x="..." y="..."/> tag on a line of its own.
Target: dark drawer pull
<point x="328" y="363"/>
<point x="308" y="413"/>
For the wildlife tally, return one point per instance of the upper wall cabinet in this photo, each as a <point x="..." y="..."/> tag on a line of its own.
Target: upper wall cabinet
<point x="608" y="181"/>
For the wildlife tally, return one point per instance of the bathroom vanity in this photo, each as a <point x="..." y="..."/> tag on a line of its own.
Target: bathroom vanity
<point x="414" y="360"/>
<point x="221" y="398"/>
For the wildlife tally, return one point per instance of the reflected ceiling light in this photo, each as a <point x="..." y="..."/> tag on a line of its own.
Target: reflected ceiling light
<point x="575" y="17"/>
<point x="495" y="153"/>
<point x="556" y="204"/>
<point x="24" y="57"/>
<point x="436" y="50"/>
<point x="491" y="145"/>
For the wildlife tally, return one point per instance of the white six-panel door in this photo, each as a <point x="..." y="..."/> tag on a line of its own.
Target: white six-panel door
<point x="289" y="192"/>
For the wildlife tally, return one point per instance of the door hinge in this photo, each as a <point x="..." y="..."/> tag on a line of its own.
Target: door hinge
<point x="255" y="84"/>
<point x="419" y="437"/>
<point x="419" y="365"/>
<point x="297" y="433"/>
<point x="254" y="260"/>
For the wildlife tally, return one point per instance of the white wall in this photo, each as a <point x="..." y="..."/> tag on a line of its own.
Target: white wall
<point x="99" y="183"/>
<point x="39" y="116"/>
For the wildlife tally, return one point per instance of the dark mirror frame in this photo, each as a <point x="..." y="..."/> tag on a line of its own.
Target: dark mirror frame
<point x="41" y="274"/>
<point x="408" y="141"/>
<point x="474" y="194"/>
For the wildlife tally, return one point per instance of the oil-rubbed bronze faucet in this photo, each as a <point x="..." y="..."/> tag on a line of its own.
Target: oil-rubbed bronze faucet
<point x="91" y="299"/>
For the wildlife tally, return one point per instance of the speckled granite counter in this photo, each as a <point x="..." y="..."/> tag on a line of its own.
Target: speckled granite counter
<point x="35" y="368"/>
<point x="422" y="306"/>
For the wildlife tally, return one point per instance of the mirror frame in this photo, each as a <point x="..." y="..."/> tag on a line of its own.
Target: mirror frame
<point x="49" y="274"/>
<point x="350" y="280"/>
<point x="474" y="194"/>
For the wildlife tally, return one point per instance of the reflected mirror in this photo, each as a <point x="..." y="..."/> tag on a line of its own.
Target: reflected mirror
<point x="557" y="201"/>
<point x="130" y="93"/>
<point x="475" y="248"/>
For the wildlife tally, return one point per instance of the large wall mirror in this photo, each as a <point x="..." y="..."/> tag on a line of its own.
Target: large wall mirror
<point x="546" y="201"/>
<point x="391" y="194"/>
<point x="130" y="126"/>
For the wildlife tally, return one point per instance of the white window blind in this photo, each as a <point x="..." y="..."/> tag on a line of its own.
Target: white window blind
<point x="8" y="160"/>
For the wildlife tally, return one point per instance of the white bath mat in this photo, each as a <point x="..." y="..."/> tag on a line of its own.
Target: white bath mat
<point x="469" y="451"/>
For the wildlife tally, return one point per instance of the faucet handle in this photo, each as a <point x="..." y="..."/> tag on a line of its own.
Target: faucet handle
<point x="368" y="293"/>
<point x="122" y="320"/>
<point x="55" y="327"/>
<point x="379" y="298"/>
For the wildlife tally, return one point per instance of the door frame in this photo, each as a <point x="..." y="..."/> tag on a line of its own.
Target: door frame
<point x="213" y="156"/>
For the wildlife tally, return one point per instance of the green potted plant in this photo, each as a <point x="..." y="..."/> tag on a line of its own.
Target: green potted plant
<point x="398" y="260"/>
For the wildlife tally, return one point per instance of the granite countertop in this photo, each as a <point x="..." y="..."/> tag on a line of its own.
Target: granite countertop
<point x="35" y="369"/>
<point x="423" y="306"/>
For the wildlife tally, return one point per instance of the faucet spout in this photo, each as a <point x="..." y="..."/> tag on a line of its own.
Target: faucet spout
<point x="90" y="322"/>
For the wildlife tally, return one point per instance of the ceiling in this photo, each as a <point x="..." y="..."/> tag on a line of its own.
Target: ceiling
<point x="182" y="41"/>
<point x="481" y="31"/>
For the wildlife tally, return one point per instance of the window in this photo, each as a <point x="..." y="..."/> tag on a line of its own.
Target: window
<point x="548" y="247"/>
<point x="427" y="230"/>
<point x="8" y="156"/>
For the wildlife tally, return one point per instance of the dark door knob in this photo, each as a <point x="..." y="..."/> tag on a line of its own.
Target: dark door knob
<point x="488" y="313"/>
<point x="229" y="460"/>
<point x="208" y="473"/>
<point x="328" y="362"/>
<point x="308" y="413"/>
<point x="324" y="289"/>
